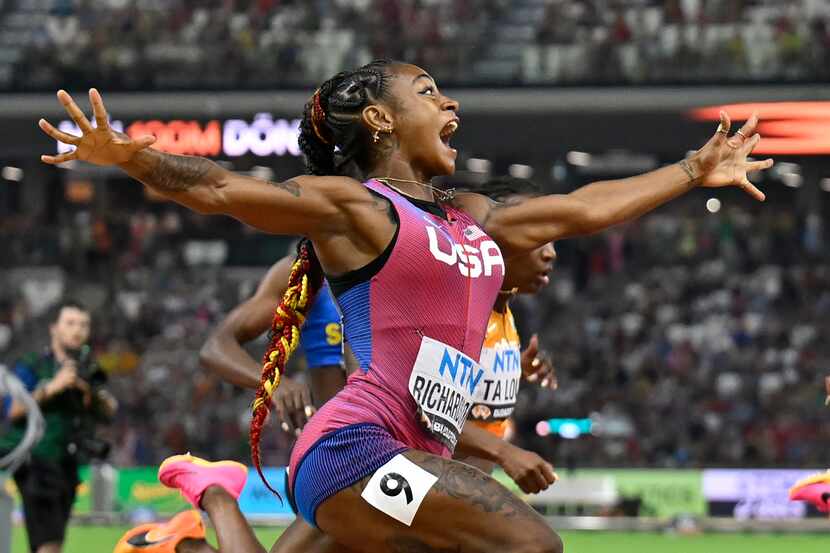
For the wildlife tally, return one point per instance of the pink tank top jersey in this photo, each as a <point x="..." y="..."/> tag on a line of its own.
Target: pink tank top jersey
<point x="417" y="328"/>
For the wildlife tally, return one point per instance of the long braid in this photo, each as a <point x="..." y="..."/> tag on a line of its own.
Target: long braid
<point x="304" y="282"/>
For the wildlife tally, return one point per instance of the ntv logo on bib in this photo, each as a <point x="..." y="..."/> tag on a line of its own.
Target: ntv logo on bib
<point x="471" y="261"/>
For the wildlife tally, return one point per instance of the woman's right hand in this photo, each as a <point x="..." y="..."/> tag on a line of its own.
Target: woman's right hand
<point x="100" y="145"/>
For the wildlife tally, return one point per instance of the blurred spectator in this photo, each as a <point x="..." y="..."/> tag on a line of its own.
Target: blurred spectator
<point x="215" y="44"/>
<point x="704" y="345"/>
<point x="677" y="41"/>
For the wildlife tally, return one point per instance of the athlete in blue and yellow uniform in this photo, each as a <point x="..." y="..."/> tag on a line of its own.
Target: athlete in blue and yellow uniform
<point x="322" y="342"/>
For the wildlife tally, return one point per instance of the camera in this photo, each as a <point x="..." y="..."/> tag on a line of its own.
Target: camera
<point x="87" y="368"/>
<point x="85" y="445"/>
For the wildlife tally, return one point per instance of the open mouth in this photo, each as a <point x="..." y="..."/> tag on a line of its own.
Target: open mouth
<point x="447" y="132"/>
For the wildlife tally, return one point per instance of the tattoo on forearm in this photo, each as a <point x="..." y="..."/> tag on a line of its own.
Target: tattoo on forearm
<point x="289" y="186"/>
<point x="178" y="173"/>
<point x="687" y="169"/>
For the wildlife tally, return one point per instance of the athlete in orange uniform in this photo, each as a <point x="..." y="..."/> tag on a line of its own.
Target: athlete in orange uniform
<point x="483" y="442"/>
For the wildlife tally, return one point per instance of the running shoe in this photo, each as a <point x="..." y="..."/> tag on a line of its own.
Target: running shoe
<point x="192" y="476"/>
<point x="815" y="489"/>
<point x="162" y="537"/>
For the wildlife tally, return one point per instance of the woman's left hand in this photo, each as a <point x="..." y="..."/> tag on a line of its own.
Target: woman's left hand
<point x="537" y="366"/>
<point x="724" y="160"/>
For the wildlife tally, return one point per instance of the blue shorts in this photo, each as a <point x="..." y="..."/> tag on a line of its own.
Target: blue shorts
<point x="322" y="333"/>
<point x="338" y="460"/>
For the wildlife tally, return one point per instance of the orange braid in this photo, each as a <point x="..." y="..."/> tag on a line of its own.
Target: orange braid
<point x="304" y="282"/>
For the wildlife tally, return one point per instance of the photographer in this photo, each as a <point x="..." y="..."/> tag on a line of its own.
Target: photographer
<point x="67" y="385"/>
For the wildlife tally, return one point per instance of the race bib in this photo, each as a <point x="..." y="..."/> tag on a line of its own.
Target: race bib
<point x="398" y="488"/>
<point x="496" y="394"/>
<point x="443" y="383"/>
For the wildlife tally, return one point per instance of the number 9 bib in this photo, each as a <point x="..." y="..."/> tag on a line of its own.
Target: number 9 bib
<point x="398" y="488"/>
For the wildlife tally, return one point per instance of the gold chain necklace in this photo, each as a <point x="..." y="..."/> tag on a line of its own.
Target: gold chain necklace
<point x="439" y="194"/>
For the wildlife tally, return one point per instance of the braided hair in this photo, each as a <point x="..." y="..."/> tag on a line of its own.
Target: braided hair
<point x="335" y="142"/>
<point x="332" y="136"/>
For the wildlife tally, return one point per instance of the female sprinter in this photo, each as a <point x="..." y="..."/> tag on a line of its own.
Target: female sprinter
<point x="415" y="272"/>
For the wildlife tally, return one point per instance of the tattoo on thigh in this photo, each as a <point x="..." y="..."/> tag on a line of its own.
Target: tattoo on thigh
<point x="289" y="186"/>
<point x="469" y="484"/>
<point x="411" y="544"/>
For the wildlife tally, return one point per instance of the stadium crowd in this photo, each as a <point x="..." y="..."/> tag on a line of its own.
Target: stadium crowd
<point x="697" y="339"/>
<point x="680" y="41"/>
<point x="694" y="338"/>
<point x="158" y="45"/>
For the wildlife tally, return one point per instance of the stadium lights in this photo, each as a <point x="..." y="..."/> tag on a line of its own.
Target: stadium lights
<point x="568" y="429"/>
<point x="789" y="173"/>
<point x="12" y="173"/>
<point x="580" y="159"/>
<point x="792" y="180"/>
<point x="477" y="165"/>
<point x="520" y="171"/>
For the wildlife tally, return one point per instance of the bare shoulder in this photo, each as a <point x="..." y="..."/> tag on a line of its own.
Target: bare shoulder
<point x="479" y="207"/>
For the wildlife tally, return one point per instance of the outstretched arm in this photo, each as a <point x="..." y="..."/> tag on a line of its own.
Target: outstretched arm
<point x="311" y="206"/>
<point x="594" y="207"/>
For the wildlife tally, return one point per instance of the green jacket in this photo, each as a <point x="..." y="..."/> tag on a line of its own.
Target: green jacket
<point x="63" y="413"/>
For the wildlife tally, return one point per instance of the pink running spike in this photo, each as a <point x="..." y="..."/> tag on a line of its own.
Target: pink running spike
<point x="192" y="476"/>
<point x="815" y="489"/>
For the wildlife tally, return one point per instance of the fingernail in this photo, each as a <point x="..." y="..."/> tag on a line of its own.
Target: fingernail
<point x="309" y="410"/>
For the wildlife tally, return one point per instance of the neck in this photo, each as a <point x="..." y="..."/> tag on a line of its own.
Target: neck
<point x="397" y="168"/>
<point x="501" y="303"/>
<point x="58" y="351"/>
